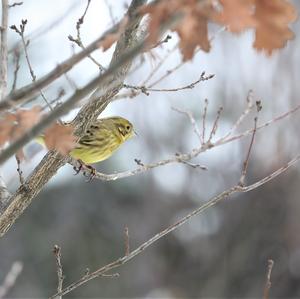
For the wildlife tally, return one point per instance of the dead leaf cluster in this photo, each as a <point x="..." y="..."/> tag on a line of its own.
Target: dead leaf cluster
<point x="269" y="19"/>
<point x="14" y="124"/>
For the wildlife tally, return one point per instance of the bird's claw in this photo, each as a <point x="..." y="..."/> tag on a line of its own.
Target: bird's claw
<point x="88" y="170"/>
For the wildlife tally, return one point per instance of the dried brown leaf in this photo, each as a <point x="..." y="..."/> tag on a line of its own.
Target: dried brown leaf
<point x="13" y="125"/>
<point x="193" y="33"/>
<point x="192" y="29"/>
<point x="273" y="19"/>
<point x="237" y="15"/>
<point x="61" y="138"/>
<point x="270" y="19"/>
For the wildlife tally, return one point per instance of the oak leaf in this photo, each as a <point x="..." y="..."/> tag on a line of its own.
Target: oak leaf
<point x="60" y="137"/>
<point x="273" y="19"/>
<point x="14" y="124"/>
<point x="236" y="15"/>
<point x="193" y="33"/>
<point x="191" y="29"/>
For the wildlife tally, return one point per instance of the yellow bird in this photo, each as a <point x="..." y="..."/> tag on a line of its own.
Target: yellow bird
<point x="101" y="140"/>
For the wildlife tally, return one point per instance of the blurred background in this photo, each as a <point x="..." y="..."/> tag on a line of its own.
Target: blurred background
<point x="221" y="253"/>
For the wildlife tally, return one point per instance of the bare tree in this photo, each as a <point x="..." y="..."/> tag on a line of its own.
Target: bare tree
<point x="142" y="29"/>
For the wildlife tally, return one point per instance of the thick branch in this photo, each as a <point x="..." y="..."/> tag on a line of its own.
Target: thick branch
<point x="114" y="78"/>
<point x="75" y="98"/>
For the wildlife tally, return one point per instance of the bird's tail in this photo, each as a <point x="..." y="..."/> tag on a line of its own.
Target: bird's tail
<point x="40" y="140"/>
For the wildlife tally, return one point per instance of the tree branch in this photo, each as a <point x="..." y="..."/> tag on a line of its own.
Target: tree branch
<point x="59" y="269"/>
<point x="3" y="50"/>
<point x="27" y="92"/>
<point x="212" y="202"/>
<point x="10" y="278"/>
<point x="113" y="79"/>
<point x="192" y="154"/>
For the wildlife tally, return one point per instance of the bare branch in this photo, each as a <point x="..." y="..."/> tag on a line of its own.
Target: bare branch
<point x="146" y="90"/>
<point x="10" y="278"/>
<point x="204" y="120"/>
<point x="15" y="4"/>
<point x="19" y="170"/>
<point x="128" y="46"/>
<point x="68" y="104"/>
<point x="246" y="162"/>
<point x="28" y="91"/>
<point x="43" y="30"/>
<point x="268" y="282"/>
<point x="189" y="156"/>
<point x="127" y="246"/>
<point x="250" y="105"/>
<point x="212" y="202"/>
<point x="192" y="120"/>
<point x="25" y="43"/>
<point x="78" y="40"/>
<point x="159" y="65"/>
<point x="215" y="125"/>
<point x="17" y="67"/>
<point x="266" y="124"/>
<point x="3" y="50"/>
<point x="59" y="269"/>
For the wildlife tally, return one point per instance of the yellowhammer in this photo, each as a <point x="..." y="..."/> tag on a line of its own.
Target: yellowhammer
<point x="101" y="140"/>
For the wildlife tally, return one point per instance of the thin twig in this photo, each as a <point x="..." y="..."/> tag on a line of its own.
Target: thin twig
<point x="69" y="103"/>
<point x="15" y="4"/>
<point x="71" y="82"/>
<point x="135" y="93"/>
<point x="161" y="42"/>
<point x="246" y="162"/>
<point x="204" y="120"/>
<point x="128" y="46"/>
<point x="250" y="105"/>
<point x="210" y="203"/>
<point x="29" y="91"/>
<point x="59" y="269"/>
<point x="3" y="50"/>
<point x="160" y="64"/>
<point x="17" y="67"/>
<point x="268" y="282"/>
<point x="10" y="278"/>
<point x="126" y="236"/>
<point x="56" y="101"/>
<point x="146" y="90"/>
<point x="25" y="43"/>
<point x="192" y="121"/>
<point x="78" y="39"/>
<point x="266" y="124"/>
<point x="43" y="30"/>
<point x="193" y="154"/>
<point x="19" y="170"/>
<point x="182" y="62"/>
<point x="193" y="165"/>
<point x="215" y="125"/>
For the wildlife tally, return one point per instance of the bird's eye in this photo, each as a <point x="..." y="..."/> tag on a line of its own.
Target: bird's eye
<point x="127" y="127"/>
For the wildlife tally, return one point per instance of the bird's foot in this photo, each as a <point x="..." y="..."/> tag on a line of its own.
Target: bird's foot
<point x="87" y="170"/>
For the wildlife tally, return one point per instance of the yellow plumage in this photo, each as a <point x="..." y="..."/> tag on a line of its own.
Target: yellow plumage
<point x="101" y="140"/>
